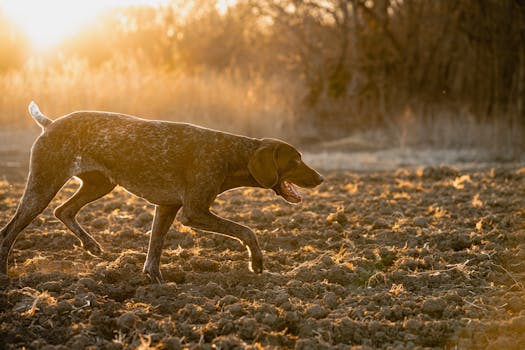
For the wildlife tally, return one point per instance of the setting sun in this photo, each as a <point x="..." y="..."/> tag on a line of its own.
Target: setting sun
<point x="46" y="23"/>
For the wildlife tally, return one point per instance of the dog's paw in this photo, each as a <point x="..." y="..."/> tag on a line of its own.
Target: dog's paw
<point x="256" y="264"/>
<point x="153" y="273"/>
<point x="155" y="277"/>
<point x="94" y="249"/>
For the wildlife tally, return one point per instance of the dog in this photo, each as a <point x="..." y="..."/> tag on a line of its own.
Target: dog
<point x="171" y="165"/>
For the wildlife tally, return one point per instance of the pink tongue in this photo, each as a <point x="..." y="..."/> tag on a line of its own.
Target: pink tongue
<point x="292" y="191"/>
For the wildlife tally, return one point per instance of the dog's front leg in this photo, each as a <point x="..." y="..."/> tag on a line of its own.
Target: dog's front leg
<point x="207" y="221"/>
<point x="164" y="216"/>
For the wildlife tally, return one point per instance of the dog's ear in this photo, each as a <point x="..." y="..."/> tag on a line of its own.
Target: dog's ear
<point x="263" y="166"/>
<point x="283" y="156"/>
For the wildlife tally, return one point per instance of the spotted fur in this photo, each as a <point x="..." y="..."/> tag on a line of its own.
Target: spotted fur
<point x="171" y="165"/>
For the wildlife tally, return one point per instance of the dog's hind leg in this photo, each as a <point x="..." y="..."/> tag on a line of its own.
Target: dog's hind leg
<point x="203" y="219"/>
<point x="41" y="187"/>
<point x="94" y="186"/>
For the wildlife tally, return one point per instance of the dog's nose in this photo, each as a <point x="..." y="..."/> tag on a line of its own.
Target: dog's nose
<point x="321" y="178"/>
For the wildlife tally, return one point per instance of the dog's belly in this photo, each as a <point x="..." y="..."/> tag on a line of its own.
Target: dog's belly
<point x="157" y="184"/>
<point x="165" y="197"/>
<point x="155" y="190"/>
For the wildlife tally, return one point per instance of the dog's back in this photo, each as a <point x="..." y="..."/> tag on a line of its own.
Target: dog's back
<point x="133" y="152"/>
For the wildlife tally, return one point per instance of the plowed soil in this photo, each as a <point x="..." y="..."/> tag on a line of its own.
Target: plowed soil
<point x="423" y="258"/>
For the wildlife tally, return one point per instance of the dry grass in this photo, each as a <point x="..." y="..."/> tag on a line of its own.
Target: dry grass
<point x="493" y="139"/>
<point x="253" y="106"/>
<point x="500" y="138"/>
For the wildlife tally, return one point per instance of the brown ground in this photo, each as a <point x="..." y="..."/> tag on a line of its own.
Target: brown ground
<point x="398" y="259"/>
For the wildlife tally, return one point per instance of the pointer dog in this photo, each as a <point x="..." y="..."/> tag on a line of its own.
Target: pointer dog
<point x="172" y="165"/>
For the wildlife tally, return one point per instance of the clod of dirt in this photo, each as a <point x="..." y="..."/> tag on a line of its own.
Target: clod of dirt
<point x="78" y="302"/>
<point x="306" y="328"/>
<point x="459" y="242"/>
<point x="247" y="327"/>
<point x="261" y="216"/>
<point x="267" y="314"/>
<point x="281" y="297"/>
<point x="515" y="304"/>
<point x="176" y="275"/>
<point x="317" y="312"/>
<point x="63" y="307"/>
<point x="202" y="264"/>
<point x="235" y="309"/>
<point x="87" y="282"/>
<point x="228" y="300"/>
<point x="412" y="324"/>
<point x="331" y="300"/>
<point x="421" y="221"/>
<point x="193" y="313"/>
<point x="437" y="173"/>
<point x="127" y="320"/>
<point x="143" y="219"/>
<point x="51" y="286"/>
<point x="312" y="344"/>
<point x="339" y="216"/>
<point x="101" y="323"/>
<point x="213" y="289"/>
<point x="228" y="342"/>
<point x="340" y="274"/>
<point x="434" y="307"/>
<point x="380" y="223"/>
<point x="388" y="256"/>
<point x="171" y="343"/>
<point x="99" y="223"/>
<point x="79" y="341"/>
<point x="386" y="211"/>
<point x="292" y="319"/>
<point x="225" y="326"/>
<point x="112" y="205"/>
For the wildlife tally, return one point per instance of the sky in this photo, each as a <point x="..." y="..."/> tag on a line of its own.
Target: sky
<point x="47" y="22"/>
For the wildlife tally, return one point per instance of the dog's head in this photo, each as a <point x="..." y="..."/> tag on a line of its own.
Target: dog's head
<point x="278" y="165"/>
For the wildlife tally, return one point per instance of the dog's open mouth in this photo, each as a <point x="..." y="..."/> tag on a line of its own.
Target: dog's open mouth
<point x="288" y="191"/>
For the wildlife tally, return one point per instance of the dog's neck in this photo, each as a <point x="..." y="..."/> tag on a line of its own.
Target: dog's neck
<point x="238" y="173"/>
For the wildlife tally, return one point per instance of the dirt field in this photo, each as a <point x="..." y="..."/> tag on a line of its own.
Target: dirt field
<point x="424" y="258"/>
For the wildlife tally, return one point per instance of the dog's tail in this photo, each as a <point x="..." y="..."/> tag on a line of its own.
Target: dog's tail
<point x="40" y="118"/>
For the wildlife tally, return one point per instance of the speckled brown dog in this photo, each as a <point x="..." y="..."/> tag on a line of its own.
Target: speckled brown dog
<point x="172" y="165"/>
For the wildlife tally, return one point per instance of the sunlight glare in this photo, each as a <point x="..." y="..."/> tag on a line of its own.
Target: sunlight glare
<point x="222" y="5"/>
<point x="46" y="23"/>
